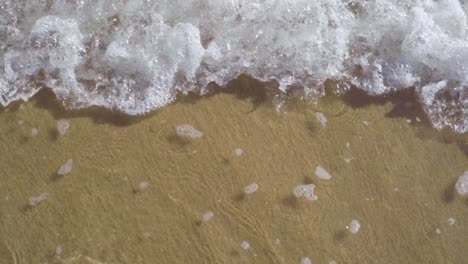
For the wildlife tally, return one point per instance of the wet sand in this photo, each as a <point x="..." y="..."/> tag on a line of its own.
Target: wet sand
<point x="399" y="184"/>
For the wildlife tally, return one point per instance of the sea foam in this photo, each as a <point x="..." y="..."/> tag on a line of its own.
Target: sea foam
<point x="136" y="56"/>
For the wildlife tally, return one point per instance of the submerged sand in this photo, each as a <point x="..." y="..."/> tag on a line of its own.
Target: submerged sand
<point x="137" y="192"/>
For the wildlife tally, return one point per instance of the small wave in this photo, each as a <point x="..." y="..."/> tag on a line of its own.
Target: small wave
<point x="136" y="56"/>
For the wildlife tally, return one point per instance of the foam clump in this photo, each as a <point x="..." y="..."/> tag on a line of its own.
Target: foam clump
<point x="58" y="250"/>
<point x="137" y="56"/>
<point x="451" y="221"/>
<point x="462" y="184"/>
<point x="245" y="245"/>
<point x="306" y="260"/>
<point x="322" y="173"/>
<point x="238" y="152"/>
<point x="321" y="118"/>
<point x="143" y="185"/>
<point x="251" y="188"/>
<point x="305" y="190"/>
<point x="354" y="226"/>
<point x="188" y="131"/>
<point x="62" y="126"/>
<point x="207" y="216"/>
<point x="34" y="201"/>
<point x="65" y="168"/>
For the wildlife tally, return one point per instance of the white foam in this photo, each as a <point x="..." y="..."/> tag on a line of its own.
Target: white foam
<point x="62" y="126"/>
<point x="34" y="132"/>
<point x="251" y="188"/>
<point x="354" y="226"/>
<point x="238" y="152"/>
<point x="245" y="245"/>
<point x="322" y="173"/>
<point x="321" y="118"/>
<point x="305" y="190"/>
<point x="58" y="250"/>
<point x="34" y="201"/>
<point x="207" y="216"/>
<point x="462" y="184"/>
<point x="188" y="131"/>
<point x="65" y="168"/>
<point x="136" y="56"/>
<point x="451" y="221"/>
<point x="306" y="260"/>
<point x="143" y="185"/>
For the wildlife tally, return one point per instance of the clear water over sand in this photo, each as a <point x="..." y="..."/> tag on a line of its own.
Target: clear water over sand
<point x="399" y="183"/>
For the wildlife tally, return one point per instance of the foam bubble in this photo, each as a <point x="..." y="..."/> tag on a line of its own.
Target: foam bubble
<point x="245" y="245"/>
<point x="34" y="132"/>
<point x="66" y="168"/>
<point x="143" y="185"/>
<point x="306" y="260"/>
<point x="322" y="173"/>
<point x="136" y="56"/>
<point x="462" y="184"/>
<point x="305" y="190"/>
<point x="354" y="226"/>
<point x="251" y="188"/>
<point x="188" y="131"/>
<point x="34" y="201"/>
<point x="207" y="216"/>
<point x="62" y="126"/>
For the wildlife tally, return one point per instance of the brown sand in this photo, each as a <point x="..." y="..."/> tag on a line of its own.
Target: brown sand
<point x="399" y="184"/>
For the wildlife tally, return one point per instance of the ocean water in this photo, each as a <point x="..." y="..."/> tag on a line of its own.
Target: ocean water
<point x="137" y="56"/>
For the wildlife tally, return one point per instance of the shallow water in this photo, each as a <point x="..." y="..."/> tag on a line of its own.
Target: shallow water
<point x="399" y="183"/>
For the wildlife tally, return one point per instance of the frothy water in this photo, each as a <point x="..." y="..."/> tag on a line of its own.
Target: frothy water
<point x="136" y="56"/>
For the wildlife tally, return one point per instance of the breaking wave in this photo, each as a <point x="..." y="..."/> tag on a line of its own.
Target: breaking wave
<point x="135" y="56"/>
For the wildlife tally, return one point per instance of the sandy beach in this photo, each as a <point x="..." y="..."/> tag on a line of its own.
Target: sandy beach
<point x="137" y="191"/>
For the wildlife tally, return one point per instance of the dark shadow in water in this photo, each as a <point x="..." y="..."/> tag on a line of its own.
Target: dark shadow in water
<point x="46" y="99"/>
<point x="180" y="141"/>
<point x="53" y="134"/>
<point x="226" y="161"/>
<point x="24" y="140"/>
<point x="311" y="127"/>
<point x="54" y="177"/>
<point x="309" y="180"/>
<point x="448" y="195"/>
<point x="27" y="208"/>
<point x="239" y="197"/>
<point x="405" y="102"/>
<point x="243" y="87"/>
<point x="290" y="201"/>
<point x="406" y="105"/>
<point x="339" y="236"/>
